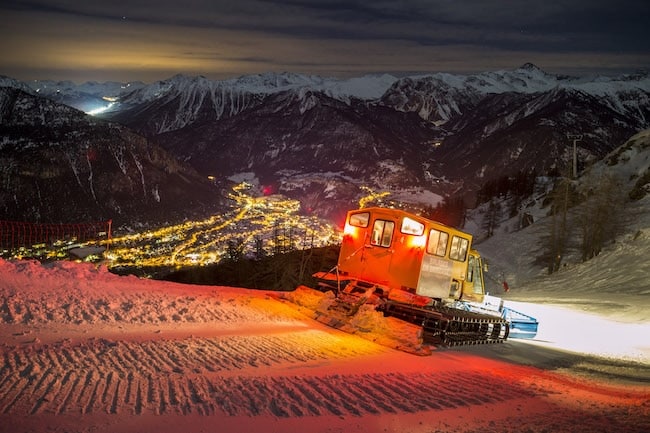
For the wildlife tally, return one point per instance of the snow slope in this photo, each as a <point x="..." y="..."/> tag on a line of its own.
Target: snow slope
<point x="87" y="351"/>
<point x="600" y="306"/>
<point x="619" y="271"/>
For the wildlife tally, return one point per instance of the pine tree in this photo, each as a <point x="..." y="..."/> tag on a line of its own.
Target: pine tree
<point x="492" y="217"/>
<point x="556" y="241"/>
<point x="598" y="216"/>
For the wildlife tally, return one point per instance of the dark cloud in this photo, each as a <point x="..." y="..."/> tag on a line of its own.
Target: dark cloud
<point x="225" y="38"/>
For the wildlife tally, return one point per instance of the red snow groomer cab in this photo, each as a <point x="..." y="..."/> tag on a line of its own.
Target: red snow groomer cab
<point x="422" y="272"/>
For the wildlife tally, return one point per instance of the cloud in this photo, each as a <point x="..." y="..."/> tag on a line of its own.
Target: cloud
<point x="224" y="38"/>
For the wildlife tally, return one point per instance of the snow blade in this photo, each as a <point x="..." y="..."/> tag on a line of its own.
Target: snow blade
<point x="521" y="325"/>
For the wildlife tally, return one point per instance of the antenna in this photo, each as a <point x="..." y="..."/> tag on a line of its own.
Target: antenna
<point x="575" y="138"/>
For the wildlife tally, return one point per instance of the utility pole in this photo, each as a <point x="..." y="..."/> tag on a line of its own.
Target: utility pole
<point x="575" y="138"/>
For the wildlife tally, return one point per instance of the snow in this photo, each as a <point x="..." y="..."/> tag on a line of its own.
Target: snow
<point x="416" y="196"/>
<point x="248" y="177"/>
<point x="189" y="94"/>
<point x="626" y="94"/>
<point x="598" y="307"/>
<point x="232" y="92"/>
<point x="365" y="87"/>
<point x="526" y="79"/>
<point x="530" y="79"/>
<point x="88" y="351"/>
<point x="565" y="328"/>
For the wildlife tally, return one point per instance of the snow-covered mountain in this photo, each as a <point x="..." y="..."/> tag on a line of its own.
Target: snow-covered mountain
<point x="316" y="138"/>
<point x="60" y="164"/>
<point x="193" y="91"/>
<point x="621" y="266"/>
<point x="182" y="101"/>
<point x="435" y="97"/>
<point x="446" y="133"/>
<point x="442" y="97"/>
<point x="88" y="97"/>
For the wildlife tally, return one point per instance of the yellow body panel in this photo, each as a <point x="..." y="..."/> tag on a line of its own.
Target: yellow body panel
<point x="404" y="251"/>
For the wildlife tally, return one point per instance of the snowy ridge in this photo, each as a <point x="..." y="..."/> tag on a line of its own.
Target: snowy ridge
<point x="11" y="82"/>
<point x="525" y="79"/>
<point x="95" y="168"/>
<point x="629" y="163"/>
<point x="437" y="96"/>
<point x="184" y="99"/>
<point x="366" y="87"/>
<point x="531" y="79"/>
<point x="105" y="89"/>
<point x="88" y="97"/>
<point x="618" y="274"/>
<point x="369" y="87"/>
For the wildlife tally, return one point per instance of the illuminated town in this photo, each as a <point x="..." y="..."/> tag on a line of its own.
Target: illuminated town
<point x="253" y="226"/>
<point x="271" y="223"/>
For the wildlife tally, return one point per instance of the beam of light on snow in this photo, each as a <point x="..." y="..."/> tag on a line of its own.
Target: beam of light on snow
<point x="589" y="334"/>
<point x="99" y="110"/>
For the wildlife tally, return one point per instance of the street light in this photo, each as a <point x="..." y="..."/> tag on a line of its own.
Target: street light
<point x="575" y="138"/>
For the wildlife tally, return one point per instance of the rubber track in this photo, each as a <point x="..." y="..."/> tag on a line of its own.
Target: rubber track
<point x="451" y="327"/>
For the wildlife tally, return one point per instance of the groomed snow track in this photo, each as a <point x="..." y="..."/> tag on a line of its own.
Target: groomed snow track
<point x="232" y="376"/>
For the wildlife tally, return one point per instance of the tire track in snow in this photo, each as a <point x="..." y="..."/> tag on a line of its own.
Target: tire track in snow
<point x="13" y="393"/>
<point x="69" y="387"/>
<point x="226" y="375"/>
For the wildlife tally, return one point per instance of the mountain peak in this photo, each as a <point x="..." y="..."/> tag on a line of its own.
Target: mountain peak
<point x="530" y="67"/>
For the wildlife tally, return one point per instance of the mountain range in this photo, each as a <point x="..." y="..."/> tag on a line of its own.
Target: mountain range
<point x="58" y="164"/>
<point x="423" y="138"/>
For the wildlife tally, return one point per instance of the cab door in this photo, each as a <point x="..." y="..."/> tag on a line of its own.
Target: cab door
<point x="473" y="287"/>
<point x="378" y="251"/>
<point x="367" y="248"/>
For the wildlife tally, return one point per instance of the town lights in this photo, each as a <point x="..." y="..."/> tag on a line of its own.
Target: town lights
<point x="204" y="242"/>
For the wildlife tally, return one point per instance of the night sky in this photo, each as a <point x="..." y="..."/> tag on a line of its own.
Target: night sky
<point x="130" y="40"/>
